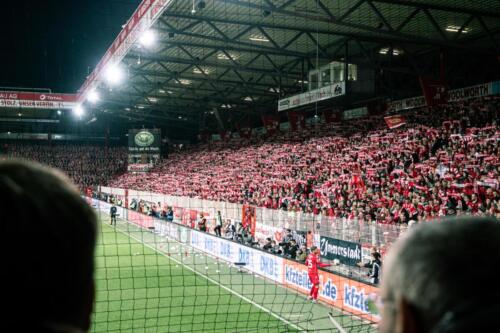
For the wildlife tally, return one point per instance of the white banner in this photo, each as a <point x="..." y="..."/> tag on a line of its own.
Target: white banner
<point x="256" y="261"/>
<point x="334" y="90"/>
<point x="479" y="90"/>
<point x="139" y="167"/>
<point x="454" y="95"/>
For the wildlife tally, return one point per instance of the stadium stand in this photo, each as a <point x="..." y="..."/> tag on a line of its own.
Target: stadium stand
<point x="86" y="165"/>
<point x="360" y="170"/>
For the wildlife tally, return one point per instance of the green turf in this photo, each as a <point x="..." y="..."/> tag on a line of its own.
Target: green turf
<point x="146" y="283"/>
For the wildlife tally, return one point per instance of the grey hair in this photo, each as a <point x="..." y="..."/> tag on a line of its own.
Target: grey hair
<point x="439" y="267"/>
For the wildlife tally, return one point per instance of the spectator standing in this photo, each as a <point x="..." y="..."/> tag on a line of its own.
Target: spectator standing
<point x="292" y="249"/>
<point x="309" y="239"/>
<point x="229" y="230"/>
<point x="170" y="214"/>
<point x="202" y="223"/>
<point x="218" y="224"/>
<point x="239" y="232"/>
<point x="112" y="213"/>
<point x="375" y="265"/>
<point x="288" y="236"/>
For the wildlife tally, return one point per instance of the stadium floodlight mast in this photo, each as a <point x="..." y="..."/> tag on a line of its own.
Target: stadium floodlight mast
<point x="93" y="96"/>
<point x="148" y="38"/>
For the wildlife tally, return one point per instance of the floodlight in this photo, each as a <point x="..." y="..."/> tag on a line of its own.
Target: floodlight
<point x="148" y="38"/>
<point x="78" y="110"/>
<point x="93" y="96"/>
<point x="114" y="74"/>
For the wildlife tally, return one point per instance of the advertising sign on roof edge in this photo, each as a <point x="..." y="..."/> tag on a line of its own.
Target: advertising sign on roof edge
<point x="331" y="91"/>
<point x="479" y="90"/>
<point x="29" y="100"/>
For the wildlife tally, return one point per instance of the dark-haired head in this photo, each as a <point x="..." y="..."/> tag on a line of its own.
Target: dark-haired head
<point x="50" y="235"/>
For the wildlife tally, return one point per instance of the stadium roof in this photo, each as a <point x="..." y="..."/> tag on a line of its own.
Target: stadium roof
<point x="218" y="55"/>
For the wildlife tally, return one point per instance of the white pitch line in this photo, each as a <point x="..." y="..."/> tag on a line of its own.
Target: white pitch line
<point x="334" y="322"/>
<point x="296" y="315"/>
<point x="275" y="315"/>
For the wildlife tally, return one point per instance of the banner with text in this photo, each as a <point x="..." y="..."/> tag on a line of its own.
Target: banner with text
<point x="355" y="113"/>
<point x="348" y="253"/>
<point x="454" y="95"/>
<point x="338" y="291"/>
<point x="331" y="91"/>
<point x="256" y="261"/>
<point x="28" y="100"/>
<point x="139" y="167"/>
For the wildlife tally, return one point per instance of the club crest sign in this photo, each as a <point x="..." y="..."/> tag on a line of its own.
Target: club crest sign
<point x="144" y="139"/>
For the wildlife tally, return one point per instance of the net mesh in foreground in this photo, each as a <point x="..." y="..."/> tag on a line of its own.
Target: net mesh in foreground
<point x="170" y="278"/>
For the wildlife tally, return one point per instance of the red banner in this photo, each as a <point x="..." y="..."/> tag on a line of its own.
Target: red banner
<point x="297" y="120"/>
<point x="435" y="91"/>
<point x="189" y="217"/>
<point x="19" y="99"/>
<point x="249" y="218"/>
<point x="395" y="121"/>
<point x="271" y="124"/>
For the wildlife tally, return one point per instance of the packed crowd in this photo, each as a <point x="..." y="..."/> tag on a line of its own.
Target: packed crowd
<point x="86" y="165"/>
<point x="445" y="161"/>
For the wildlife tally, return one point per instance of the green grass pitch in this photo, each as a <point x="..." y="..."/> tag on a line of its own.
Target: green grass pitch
<point x="145" y="283"/>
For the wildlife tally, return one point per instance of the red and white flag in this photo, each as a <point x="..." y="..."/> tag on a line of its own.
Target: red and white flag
<point x="395" y="121"/>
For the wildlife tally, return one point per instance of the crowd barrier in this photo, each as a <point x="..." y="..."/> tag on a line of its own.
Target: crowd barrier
<point x="270" y="221"/>
<point x="338" y="291"/>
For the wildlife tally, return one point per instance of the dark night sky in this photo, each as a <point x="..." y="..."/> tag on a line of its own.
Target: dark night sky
<point x="53" y="43"/>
